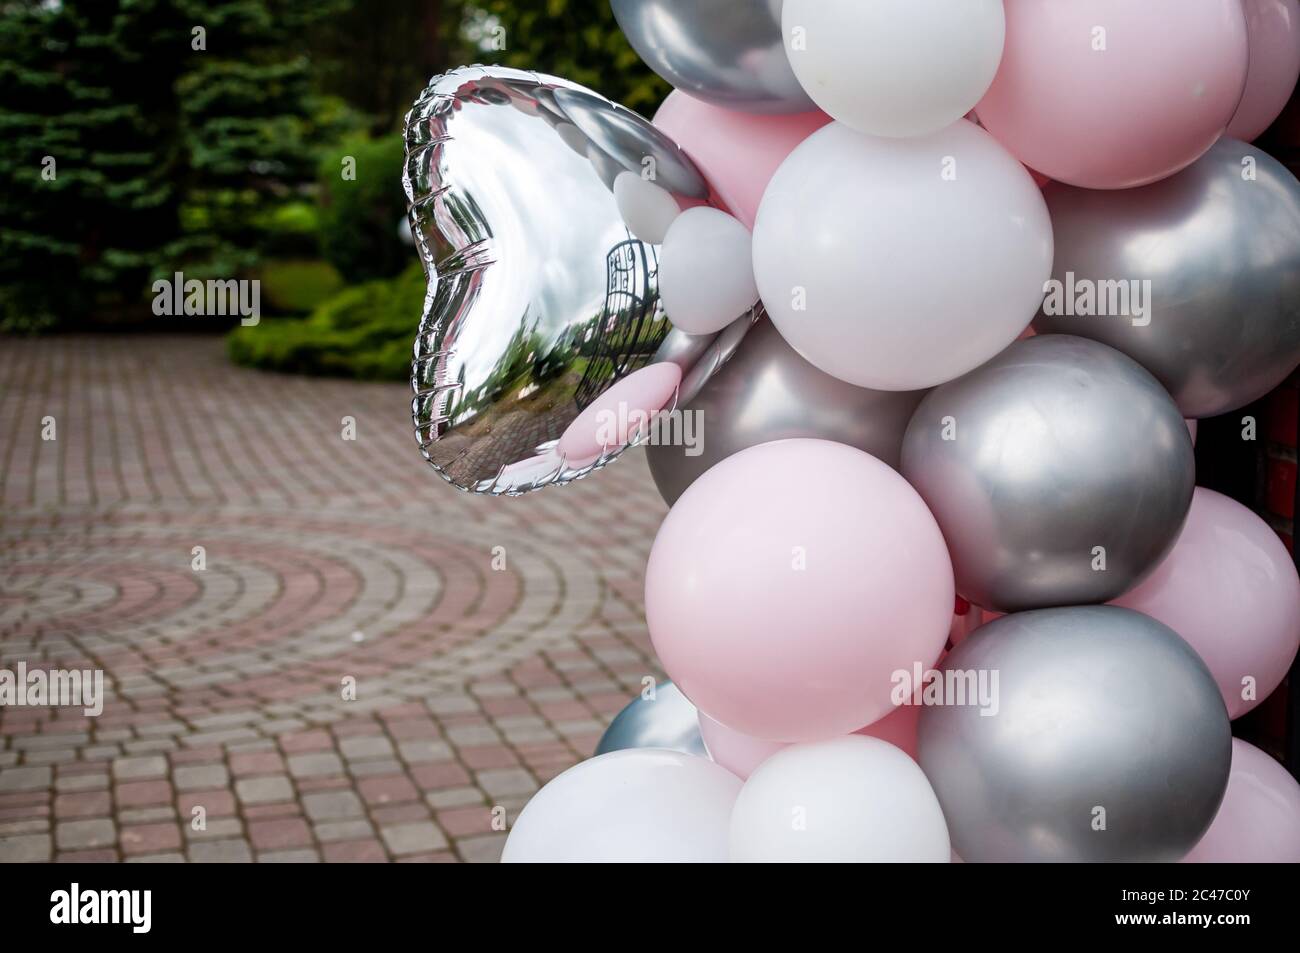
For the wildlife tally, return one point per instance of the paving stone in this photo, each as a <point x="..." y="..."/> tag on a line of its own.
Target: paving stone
<point x="135" y="769"/>
<point x="288" y="857"/>
<point x="279" y="833"/>
<point x="454" y="797"/>
<point x="364" y="748"/>
<point x="99" y="832"/>
<point x="315" y="765"/>
<point x="266" y="790"/>
<point x="418" y="750"/>
<point x="168" y="857"/>
<point x="482" y="850"/>
<point x="413" y="837"/>
<point x="332" y="805"/>
<point x="150" y="838"/>
<point x="222" y="684"/>
<point x="26" y="779"/>
<point x="200" y="777"/>
<point x="506" y="781"/>
<point x="227" y="851"/>
<point x="25" y="849"/>
<point x="354" y="852"/>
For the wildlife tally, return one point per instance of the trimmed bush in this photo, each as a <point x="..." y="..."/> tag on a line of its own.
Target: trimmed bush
<point x="366" y="332"/>
<point x="362" y="207"/>
<point x="299" y="286"/>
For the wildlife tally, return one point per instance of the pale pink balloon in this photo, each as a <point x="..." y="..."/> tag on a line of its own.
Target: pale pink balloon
<point x="1191" y="429"/>
<point x="738" y="753"/>
<point x="741" y="754"/>
<point x="737" y="152"/>
<point x="1230" y="589"/>
<point x="790" y="582"/>
<point x="898" y="728"/>
<point x="1274" y="28"/>
<point x="1112" y="94"/>
<point x="616" y="416"/>
<point x="1259" y="819"/>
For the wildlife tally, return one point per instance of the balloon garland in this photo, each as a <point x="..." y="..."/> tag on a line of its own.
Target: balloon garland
<point x="808" y="286"/>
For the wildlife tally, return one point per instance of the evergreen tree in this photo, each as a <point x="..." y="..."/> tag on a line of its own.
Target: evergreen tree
<point x="87" y="197"/>
<point x="143" y="136"/>
<point x="577" y="39"/>
<point x="251" y="124"/>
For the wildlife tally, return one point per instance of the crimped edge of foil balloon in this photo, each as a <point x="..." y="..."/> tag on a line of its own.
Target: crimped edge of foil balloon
<point x="468" y="259"/>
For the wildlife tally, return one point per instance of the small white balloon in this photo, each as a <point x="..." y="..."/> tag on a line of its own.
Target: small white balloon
<point x="899" y="264"/>
<point x="895" y="68"/>
<point x="849" y="800"/>
<point x="647" y="209"/>
<point x="640" y="805"/>
<point x="706" y="271"/>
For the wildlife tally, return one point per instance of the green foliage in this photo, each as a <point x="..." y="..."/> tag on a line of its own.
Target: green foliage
<point x="298" y="286"/>
<point x="137" y="145"/>
<point x="577" y="39"/>
<point x="365" y="332"/>
<point x="87" y="190"/>
<point x="250" y="124"/>
<point x="146" y="136"/>
<point x="362" y="207"/>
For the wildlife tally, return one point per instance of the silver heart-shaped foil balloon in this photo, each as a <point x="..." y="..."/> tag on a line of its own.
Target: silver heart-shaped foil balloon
<point x="539" y="298"/>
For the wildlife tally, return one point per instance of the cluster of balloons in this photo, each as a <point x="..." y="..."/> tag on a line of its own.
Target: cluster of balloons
<point x="994" y="258"/>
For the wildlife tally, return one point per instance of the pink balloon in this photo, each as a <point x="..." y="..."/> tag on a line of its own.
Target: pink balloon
<point x="1259" y="819"/>
<point x="738" y="753"/>
<point x="741" y="754"/>
<point x="616" y="416"/>
<point x="1274" y="29"/>
<point x="788" y="585"/>
<point x="898" y="728"/>
<point x="1191" y="429"/>
<point x="737" y="152"/>
<point x="1230" y="589"/>
<point x="1112" y="94"/>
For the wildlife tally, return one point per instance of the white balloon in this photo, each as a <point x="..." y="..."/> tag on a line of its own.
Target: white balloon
<point x="895" y="67"/>
<point x="849" y="800"/>
<point x="899" y="264"/>
<point x="647" y="209"/>
<point x="706" y="271"/>
<point x="643" y="805"/>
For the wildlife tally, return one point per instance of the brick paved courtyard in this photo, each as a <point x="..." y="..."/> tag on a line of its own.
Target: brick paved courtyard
<point x="326" y="563"/>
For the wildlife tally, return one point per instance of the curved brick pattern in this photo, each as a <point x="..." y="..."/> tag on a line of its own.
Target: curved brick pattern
<point x="328" y="564"/>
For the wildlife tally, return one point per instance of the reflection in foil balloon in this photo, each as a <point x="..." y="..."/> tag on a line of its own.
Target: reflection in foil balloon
<point x="539" y="298"/>
<point x="726" y="52"/>
<point x="666" y="719"/>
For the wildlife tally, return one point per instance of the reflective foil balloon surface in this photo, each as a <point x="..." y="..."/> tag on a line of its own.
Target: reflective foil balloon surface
<point x="1197" y="277"/>
<point x="539" y="298"/>
<point x="726" y="52"/>
<point x="665" y="720"/>
<point x="768" y="392"/>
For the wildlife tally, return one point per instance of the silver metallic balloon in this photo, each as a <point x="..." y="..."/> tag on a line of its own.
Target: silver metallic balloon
<point x="1106" y="739"/>
<point x="539" y="297"/>
<point x="668" y="720"/>
<point x="700" y="356"/>
<point x="730" y="53"/>
<point x="768" y="392"/>
<point x="1219" y="244"/>
<point x="1060" y="473"/>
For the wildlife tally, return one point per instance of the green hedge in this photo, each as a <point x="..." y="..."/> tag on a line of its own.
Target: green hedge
<point x="361" y="214"/>
<point x="298" y="286"/>
<point x="367" y="332"/>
